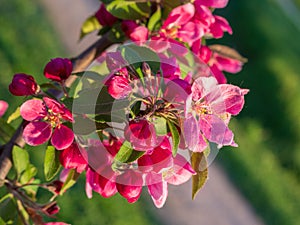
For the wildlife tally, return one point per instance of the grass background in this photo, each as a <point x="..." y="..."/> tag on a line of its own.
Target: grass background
<point x="266" y="166"/>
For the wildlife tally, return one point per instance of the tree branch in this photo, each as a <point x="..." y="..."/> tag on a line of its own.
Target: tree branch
<point x="80" y="63"/>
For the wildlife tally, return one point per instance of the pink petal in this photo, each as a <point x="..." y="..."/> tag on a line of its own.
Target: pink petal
<point x="218" y="28"/>
<point x="218" y="74"/>
<point x="71" y="158"/>
<point x="33" y="109"/>
<point x="37" y="133"/>
<point x="190" y="32"/>
<point x="228" y="65"/>
<point x="191" y="132"/>
<point x="62" y="137"/>
<point x="181" y="171"/>
<point x="212" y="3"/>
<point x="179" y="15"/>
<point x="3" y="107"/>
<point x="157" y="190"/>
<point x="215" y="130"/>
<point x="233" y="97"/>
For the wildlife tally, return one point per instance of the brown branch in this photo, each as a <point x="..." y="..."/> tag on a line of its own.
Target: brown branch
<point x="80" y="63"/>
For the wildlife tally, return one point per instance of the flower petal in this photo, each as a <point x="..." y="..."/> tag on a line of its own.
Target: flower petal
<point x="3" y="107"/>
<point x="37" y="133"/>
<point x="33" y="110"/>
<point x="62" y="137"/>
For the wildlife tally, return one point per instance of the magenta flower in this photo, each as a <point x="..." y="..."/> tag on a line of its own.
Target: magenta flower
<point x="179" y="173"/>
<point x="118" y="87"/>
<point x="23" y="85"/>
<point x="72" y="158"/>
<point x="208" y="111"/>
<point x="3" y="107"/>
<point x="212" y="3"/>
<point x="58" y="69"/>
<point x="44" y="116"/>
<point x="134" y="31"/>
<point x="141" y="134"/>
<point x="180" y="25"/>
<point x="219" y="63"/>
<point x="130" y="185"/>
<point x="219" y="26"/>
<point x="104" y="17"/>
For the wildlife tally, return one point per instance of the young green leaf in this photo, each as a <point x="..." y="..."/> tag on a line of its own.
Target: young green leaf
<point x="20" y="159"/>
<point x="127" y="154"/>
<point x="28" y="173"/>
<point x="154" y="19"/>
<point x="199" y="164"/>
<point x="90" y="24"/>
<point x="129" y="9"/>
<point x="51" y="163"/>
<point x="175" y="137"/>
<point x="70" y="181"/>
<point x="15" y="115"/>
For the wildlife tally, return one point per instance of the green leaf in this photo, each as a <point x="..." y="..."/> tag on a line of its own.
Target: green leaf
<point x="29" y="173"/>
<point x="70" y="181"/>
<point x="7" y="208"/>
<point x="199" y="164"/>
<point x="136" y="55"/>
<point x="160" y="125"/>
<point x="2" y="222"/>
<point x="89" y="25"/>
<point x="124" y="152"/>
<point x="127" y="154"/>
<point x="31" y="190"/>
<point x="51" y="163"/>
<point x="154" y="20"/>
<point x="15" y="115"/>
<point x="129" y="9"/>
<point x="20" y="159"/>
<point x="169" y="5"/>
<point x="175" y="137"/>
<point x="6" y="131"/>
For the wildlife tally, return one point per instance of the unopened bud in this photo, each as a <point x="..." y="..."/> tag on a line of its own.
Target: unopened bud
<point x="23" y="85"/>
<point x="146" y="69"/>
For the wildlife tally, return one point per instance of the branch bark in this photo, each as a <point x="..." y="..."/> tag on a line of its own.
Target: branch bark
<point x="80" y="63"/>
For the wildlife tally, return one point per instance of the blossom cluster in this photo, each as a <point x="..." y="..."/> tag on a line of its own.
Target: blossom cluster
<point x="164" y="99"/>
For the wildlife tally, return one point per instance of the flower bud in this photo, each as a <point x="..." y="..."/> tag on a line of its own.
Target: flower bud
<point x="58" y="69"/>
<point x="104" y="17"/>
<point x="52" y="209"/>
<point x="3" y="107"/>
<point x="23" y="85"/>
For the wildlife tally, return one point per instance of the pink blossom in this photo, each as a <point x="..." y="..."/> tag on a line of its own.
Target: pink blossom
<point x="157" y="183"/>
<point x="219" y="26"/>
<point x="58" y="69"/>
<point x="23" y="85"/>
<point x="118" y="87"/>
<point x="219" y="63"/>
<point x="212" y="3"/>
<point x="129" y="185"/>
<point x="141" y="134"/>
<point x="43" y="116"/>
<point x="3" y="107"/>
<point x="56" y="223"/>
<point x="104" y="17"/>
<point x="208" y="111"/>
<point x="99" y="176"/>
<point x="72" y="158"/>
<point x="134" y="31"/>
<point x="179" y="25"/>
<point x="104" y="185"/>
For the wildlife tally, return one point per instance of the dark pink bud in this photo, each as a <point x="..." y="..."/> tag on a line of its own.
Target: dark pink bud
<point x="141" y="135"/>
<point x="134" y="31"/>
<point x="118" y="87"/>
<point x="129" y="185"/>
<point x="72" y="158"/>
<point x="23" y="85"/>
<point x="58" y="69"/>
<point x="104" y="17"/>
<point x="52" y="210"/>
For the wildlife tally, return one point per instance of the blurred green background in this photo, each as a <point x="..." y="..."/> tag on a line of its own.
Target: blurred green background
<point x="266" y="166"/>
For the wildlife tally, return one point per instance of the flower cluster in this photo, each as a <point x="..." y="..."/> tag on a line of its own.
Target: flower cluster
<point x="147" y="115"/>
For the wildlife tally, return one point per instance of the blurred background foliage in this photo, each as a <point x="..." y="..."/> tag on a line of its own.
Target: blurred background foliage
<point x="266" y="166"/>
